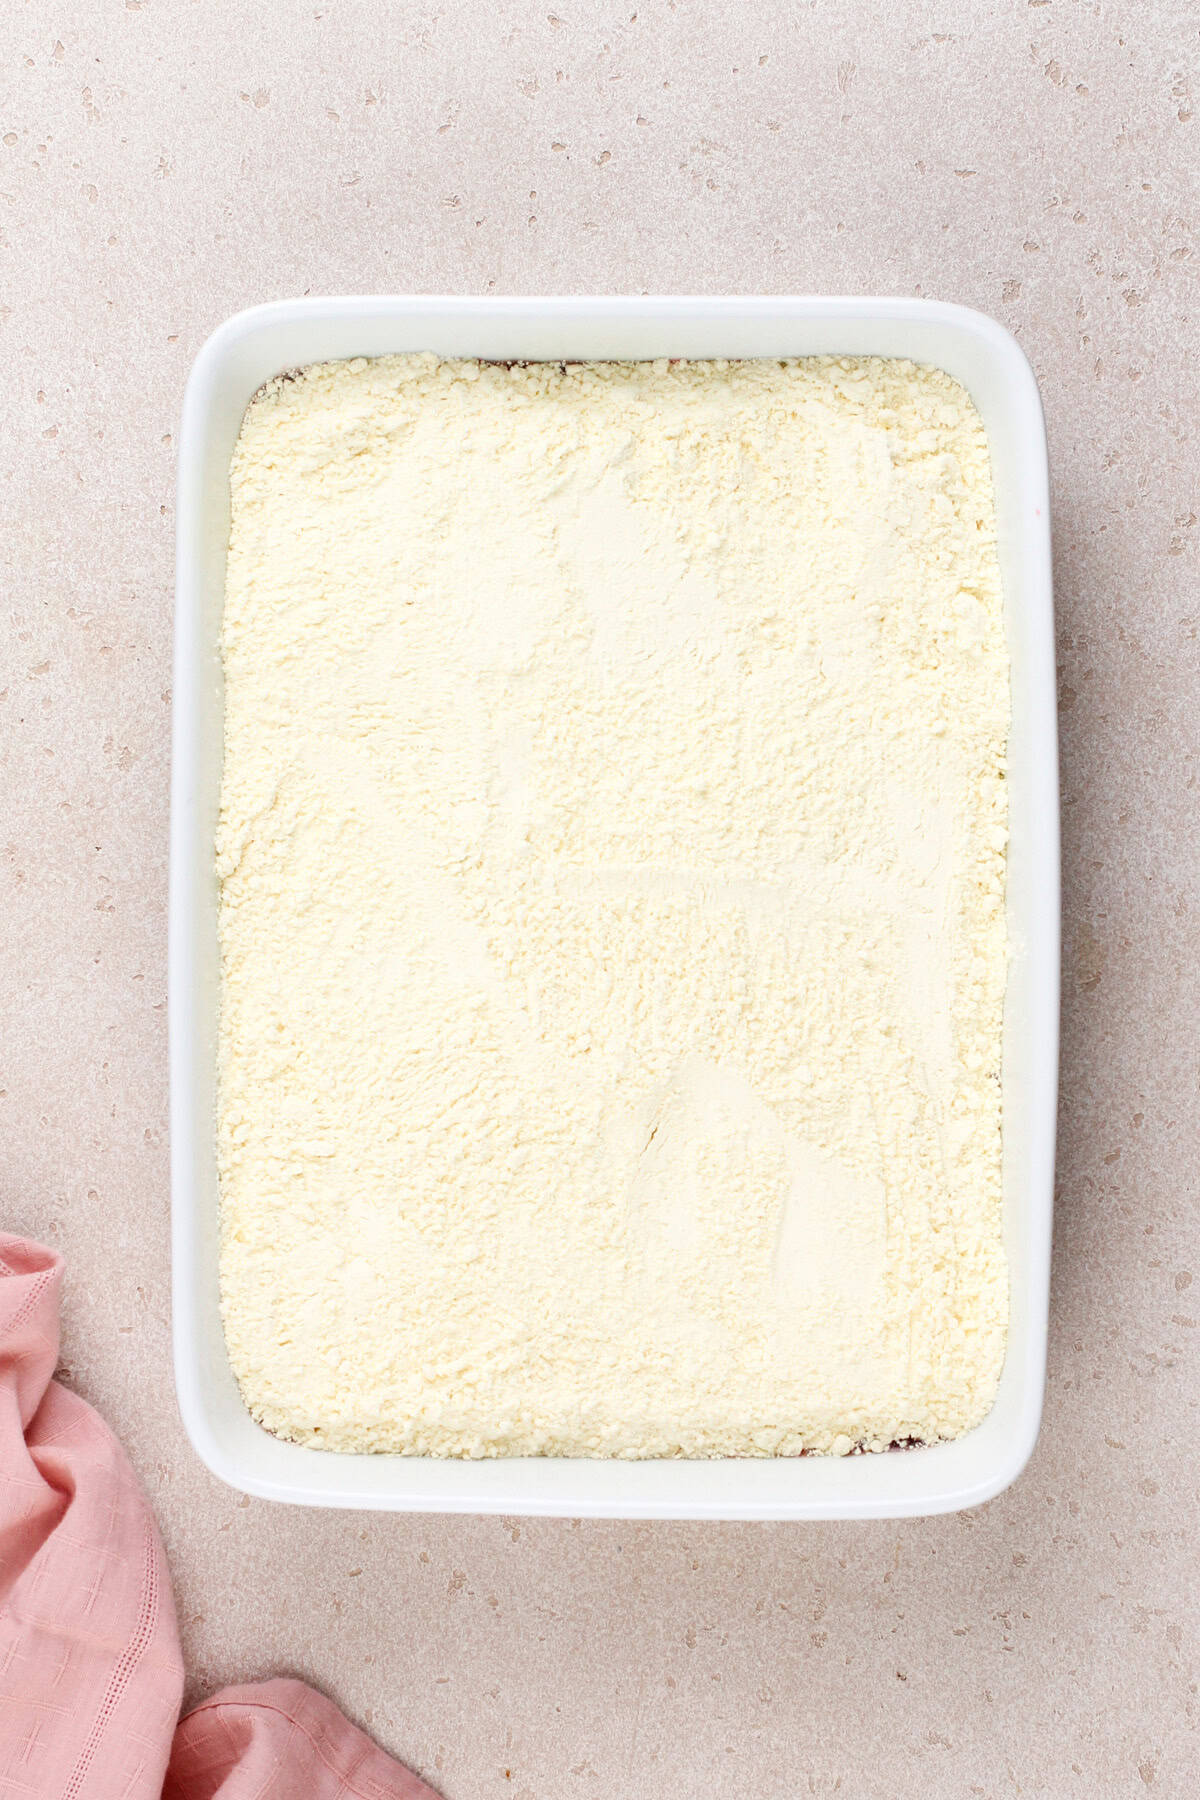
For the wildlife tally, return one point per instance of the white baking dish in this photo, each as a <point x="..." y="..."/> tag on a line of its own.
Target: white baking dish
<point x="255" y="345"/>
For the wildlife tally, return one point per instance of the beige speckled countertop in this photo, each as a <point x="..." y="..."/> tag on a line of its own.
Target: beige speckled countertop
<point x="164" y="163"/>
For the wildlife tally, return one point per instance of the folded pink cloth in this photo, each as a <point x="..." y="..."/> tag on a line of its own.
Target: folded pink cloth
<point x="90" y="1668"/>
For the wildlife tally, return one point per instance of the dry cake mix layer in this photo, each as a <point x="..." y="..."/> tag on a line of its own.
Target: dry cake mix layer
<point x="612" y="867"/>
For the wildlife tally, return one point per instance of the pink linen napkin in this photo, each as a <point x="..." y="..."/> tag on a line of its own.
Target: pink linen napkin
<point x="90" y="1668"/>
<point x="276" y="1740"/>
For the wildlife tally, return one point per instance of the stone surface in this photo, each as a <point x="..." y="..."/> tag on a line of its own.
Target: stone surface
<point x="164" y="163"/>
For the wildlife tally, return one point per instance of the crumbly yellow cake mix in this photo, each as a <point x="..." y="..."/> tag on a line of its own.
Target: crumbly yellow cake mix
<point x="613" y="950"/>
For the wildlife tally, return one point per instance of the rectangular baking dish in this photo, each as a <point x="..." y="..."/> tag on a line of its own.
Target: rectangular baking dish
<point x="246" y="351"/>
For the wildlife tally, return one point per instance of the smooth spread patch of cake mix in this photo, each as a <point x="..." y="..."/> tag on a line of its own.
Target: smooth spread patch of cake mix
<point x="612" y="868"/>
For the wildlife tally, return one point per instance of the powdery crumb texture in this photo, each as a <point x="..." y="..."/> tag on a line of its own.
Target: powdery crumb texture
<point x="612" y="861"/>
